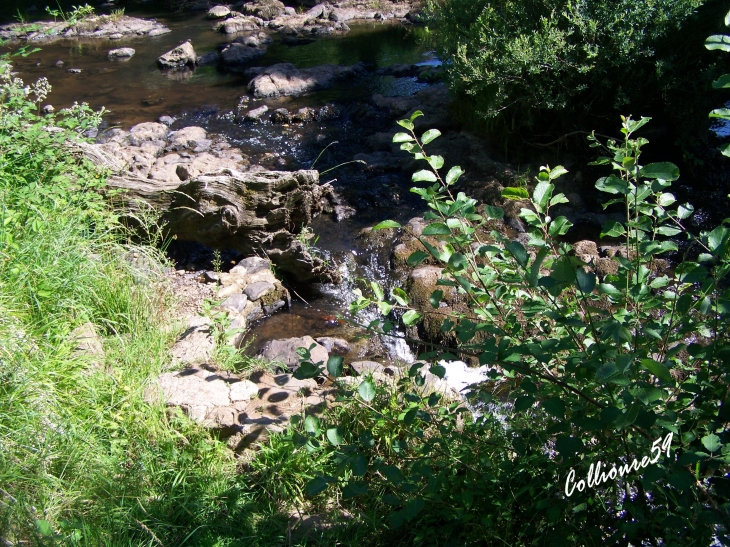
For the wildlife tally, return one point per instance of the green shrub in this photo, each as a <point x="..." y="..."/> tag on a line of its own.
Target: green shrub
<point x="630" y="370"/>
<point x="558" y="65"/>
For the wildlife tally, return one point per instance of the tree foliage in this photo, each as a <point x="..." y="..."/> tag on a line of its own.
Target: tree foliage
<point x="522" y="60"/>
<point x="611" y="426"/>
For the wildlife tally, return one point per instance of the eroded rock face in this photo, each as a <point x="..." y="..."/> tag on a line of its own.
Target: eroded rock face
<point x="284" y="79"/>
<point x="264" y="9"/>
<point x="182" y="55"/>
<point x="201" y="186"/>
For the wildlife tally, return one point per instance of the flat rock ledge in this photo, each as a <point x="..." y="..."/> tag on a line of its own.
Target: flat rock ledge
<point x="284" y="79"/>
<point x="243" y="411"/>
<point x="99" y="26"/>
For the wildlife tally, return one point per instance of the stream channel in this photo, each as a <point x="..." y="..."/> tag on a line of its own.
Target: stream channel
<point x="137" y="91"/>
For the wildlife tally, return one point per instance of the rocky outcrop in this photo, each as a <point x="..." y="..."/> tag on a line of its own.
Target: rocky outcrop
<point x="264" y="9"/>
<point x="202" y="192"/>
<point x="218" y="12"/>
<point x="244" y="411"/>
<point x="101" y="26"/>
<point x="182" y="55"/>
<point x="238" y="23"/>
<point x="284" y="79"/>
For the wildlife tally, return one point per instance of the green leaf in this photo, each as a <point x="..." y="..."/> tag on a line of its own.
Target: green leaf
<point x="542" y="194"/>
<point x="722" y="113"/>
<point x="568" y="446"/>
<point x="416" y="258"/>
<point x="437" y="229"/>
<point x="400" y="296"/>
<point x="366" y="389"/>
<point x="496" y="213"/>
<point x="717" y="240"/>
<point x="524" y="402"/>
<point x="557" y="171"/>
<point x="416" y="114"/>
<point x="711" y="443"/>
<point x="662" y="170"/>
<point x="411" y="317"/>
<point x="685" y="211"/>
<point x="334" y="436"/>
<point x="335" y="366"/>
<point x="722" y="82"/>
<point x="311" y="425"/>
<point x="407" y="124"/>
<point x="453" y="175"/>
<point x="435" y="298"/>
<point x="315" y="486"/>
<point x="612" y="185"/>
<point x="559" y="226"/>
<point x="44" y="528"/>
<point x="586" y="281"/>
<point x="359" y="465"/>
<point x="430" y="135"/>
<point x="402" y="137"/>
<point x="612" y="229"/>
<point x="386" y="224"/>
<point x="516" y="249"/>
<point x="437" y="162"/>
<point x="554" y="406"/>
<point x="353" y="489"/>
<point x="515" y="194"/>
<point x="424" y="175"/>
<point x="438" y="370"/>
<point x="377" y="290"/>
<point x="718" y="41"/>
<point x="307" y="370"/>
<point x="658" y="369"/>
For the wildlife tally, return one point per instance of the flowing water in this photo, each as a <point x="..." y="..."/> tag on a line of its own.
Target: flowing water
<point x="136" y="91"/>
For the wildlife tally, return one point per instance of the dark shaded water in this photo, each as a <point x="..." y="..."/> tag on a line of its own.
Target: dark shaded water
<point x="136" y="90"/>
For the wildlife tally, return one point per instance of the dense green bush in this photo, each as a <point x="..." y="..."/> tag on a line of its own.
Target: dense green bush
<point x="552" y="64"/>
<point x="630" y="370"/>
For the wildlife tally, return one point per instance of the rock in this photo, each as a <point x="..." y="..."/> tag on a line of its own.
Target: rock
<point x="245" y="390"/>
<point x="285" y="351"/>
<point x="237" y="54"/>
<point x="58" y="63"/>
<point x="264" y="9"/>
<point x="48" y="109"/>
<point x="258" y="39"/>
<point x="362" y="368"/>
<point x="257" y="290"/>
<point x="255" y="264"/>
<point x="218" y="12"/>
<point x="182" y="55"/>
<point x="87" y="344"/>
<point x="236" y="302"/>
<point x="281" y="115"/>
<point x="210" y="58"/>
<point x="99" y="26"/>
<point x="121" y="53"/>
<point x="74" y="71"/>
<point x="239" y="24"/>
<point x="256" y="113"/>
<point x="187" y="138"/>
<point x="196" y="344"/>
<point x="284" y="79"/>
<point x="585" y="247"/>
<point x="605" y="266"/>
<point x="147" y="131"/>
<point x="158" y="32"/>
<point x="337" y="346"/>
<point x="167" y="120"/>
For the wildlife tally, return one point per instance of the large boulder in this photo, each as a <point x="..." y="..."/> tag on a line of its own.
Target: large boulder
<point x="238" y="24"/>
<point x="182" y="55"/>
<point x="264" y="9"/>
<point x="218" y="12"/>
<point x="284" y="79"/>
